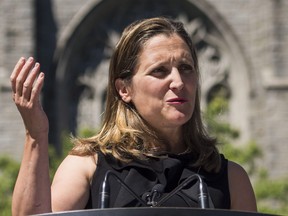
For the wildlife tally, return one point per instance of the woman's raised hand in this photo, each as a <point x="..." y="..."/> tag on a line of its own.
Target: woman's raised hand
<point x="27" y="82"/>
<point x="32" y="194"/>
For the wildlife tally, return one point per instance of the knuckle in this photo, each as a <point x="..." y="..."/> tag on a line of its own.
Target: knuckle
<point x="12" y="79"/>
<point x="34" y="91"/>
<point x="19" y="80"/>
<point x="26" y="85"/>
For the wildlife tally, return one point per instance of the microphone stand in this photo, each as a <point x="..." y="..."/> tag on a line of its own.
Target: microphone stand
<point x="202" y="196"/>
<point x="105" y="190"/>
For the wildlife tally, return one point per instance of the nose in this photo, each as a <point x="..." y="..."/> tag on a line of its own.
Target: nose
<point x="176" y="80"/>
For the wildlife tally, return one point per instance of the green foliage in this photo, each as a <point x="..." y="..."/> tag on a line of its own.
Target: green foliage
<point x="215" y="119"/>
<point x="275" y="189"/>
<point x="8" y="173"/>
<point x="271" y="195"/>
<point x="87" y="132"/>
<point x="245" y="155"/>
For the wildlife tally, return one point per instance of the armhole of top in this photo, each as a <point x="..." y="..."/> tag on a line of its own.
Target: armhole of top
<point x="89" y="202"/>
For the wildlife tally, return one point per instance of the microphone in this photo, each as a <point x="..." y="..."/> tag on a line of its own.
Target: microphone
<point x="150" y="197"/>
<point x="104" y="194"/>
<point x="203" y="194"/>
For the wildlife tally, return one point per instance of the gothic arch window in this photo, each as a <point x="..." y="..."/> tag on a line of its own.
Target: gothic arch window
<point x="87" y="44"/>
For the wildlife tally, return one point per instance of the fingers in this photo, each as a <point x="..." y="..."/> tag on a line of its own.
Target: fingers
<point x="35" y="93"/>
<point x="28" y="83"/>
<point x="22" y="75"/>
<point x="15" y="73"/>
<point x="25" y="82"/>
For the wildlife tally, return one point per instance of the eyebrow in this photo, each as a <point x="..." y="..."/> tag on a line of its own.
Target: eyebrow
<point x="184" y="57"/>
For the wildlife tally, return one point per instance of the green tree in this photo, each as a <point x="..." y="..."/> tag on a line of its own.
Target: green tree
<point x="271" y="194"/>
<point x="8" y="173"/>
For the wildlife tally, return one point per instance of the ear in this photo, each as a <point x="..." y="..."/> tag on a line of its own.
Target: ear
<point x="123" y="90"/>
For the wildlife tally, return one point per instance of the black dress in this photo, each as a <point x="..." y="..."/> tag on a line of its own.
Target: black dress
<point x="164" y="174"/>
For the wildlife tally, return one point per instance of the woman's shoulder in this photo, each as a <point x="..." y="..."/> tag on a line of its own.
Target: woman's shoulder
<point x="241" y="191"/>
<point x="237" y="173"/>
<point x="236" y="169"/>
<point x="74" y="172"/>
<point x="79" y="165"/>
<point x="80" y="160"/>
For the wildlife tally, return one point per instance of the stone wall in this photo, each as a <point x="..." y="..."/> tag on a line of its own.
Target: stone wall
<point x="16" y="40"/>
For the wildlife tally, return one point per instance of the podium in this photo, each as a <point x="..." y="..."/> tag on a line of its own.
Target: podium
<point x="155" y="211"/>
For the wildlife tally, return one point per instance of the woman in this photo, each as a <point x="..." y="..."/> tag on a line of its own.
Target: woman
<point x="152" y="133"/>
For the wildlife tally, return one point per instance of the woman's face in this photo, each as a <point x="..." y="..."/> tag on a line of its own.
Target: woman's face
<point x="163" y="89"/>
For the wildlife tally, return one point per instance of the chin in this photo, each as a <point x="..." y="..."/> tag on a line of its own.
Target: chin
<point x="180" y="121"/>
<point x="181" y="117"/>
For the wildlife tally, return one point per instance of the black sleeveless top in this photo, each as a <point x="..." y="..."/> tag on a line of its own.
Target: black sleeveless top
<point x="166" y="173"/>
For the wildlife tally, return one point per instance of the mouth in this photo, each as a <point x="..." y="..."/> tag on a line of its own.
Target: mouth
<point x="177" y="101"/>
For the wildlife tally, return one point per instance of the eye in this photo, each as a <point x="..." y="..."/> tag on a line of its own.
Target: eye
<point x="159" y="71"/>
<point x="186" y="68"/>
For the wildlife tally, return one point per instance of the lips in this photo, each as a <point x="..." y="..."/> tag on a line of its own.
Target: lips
<point x="177" y="100"/>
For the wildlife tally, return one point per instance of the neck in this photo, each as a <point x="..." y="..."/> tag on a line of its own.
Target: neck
<point x="177" y="148"/>
<point x="175" y="143"/>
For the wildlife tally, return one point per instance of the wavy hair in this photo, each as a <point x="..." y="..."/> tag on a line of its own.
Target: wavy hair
<point x="124" y="133"/>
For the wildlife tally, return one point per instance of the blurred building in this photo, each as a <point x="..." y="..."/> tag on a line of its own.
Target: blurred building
<point x="242" y="47"/>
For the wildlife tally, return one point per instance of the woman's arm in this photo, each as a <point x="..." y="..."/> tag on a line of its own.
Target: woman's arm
<point x="241" y="191"/>
<point x="32" y="190"/>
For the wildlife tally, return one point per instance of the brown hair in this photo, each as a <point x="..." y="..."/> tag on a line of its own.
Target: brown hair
<point x="124" y="134"/>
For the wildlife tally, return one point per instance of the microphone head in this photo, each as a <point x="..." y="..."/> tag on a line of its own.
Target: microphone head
<point x="151" y="196"/>
<point x="104" y="193"/>
<point x="159" y="188"/>
<point x="146" y="197"/>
